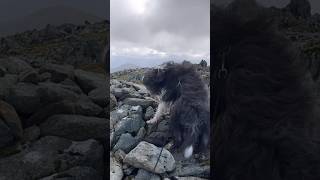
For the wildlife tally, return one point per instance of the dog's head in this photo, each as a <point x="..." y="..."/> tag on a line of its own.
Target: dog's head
<point x="165" y="75"/>
<point x="154" y="80"/>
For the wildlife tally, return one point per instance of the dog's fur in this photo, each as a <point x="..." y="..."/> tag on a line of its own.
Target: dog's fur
<point x="182" y="90"/>
<point x="264" y="131"/>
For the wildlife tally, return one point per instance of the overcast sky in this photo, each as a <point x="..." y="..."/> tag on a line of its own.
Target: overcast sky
<point x="149" y="32"/>
<point x="13" y="9"/>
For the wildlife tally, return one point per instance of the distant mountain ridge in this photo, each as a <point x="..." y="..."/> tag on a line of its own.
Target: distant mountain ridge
<point x="124" y="67"/>
<point x="54" y="15"/>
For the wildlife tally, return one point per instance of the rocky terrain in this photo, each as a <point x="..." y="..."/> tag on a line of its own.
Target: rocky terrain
<point x="135" y="145"/>
<point x="54" y="108"/>
<point x="67" y="43"/>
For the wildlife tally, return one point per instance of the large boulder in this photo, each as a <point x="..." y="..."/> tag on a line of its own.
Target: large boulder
<point x="15" y="65"/>
<point x="6" y="83"/>
<point x="145" y="156"/>
<point x="139" y="102"/>
<point x="99" y="96"/>
<point x="10" y="122"/>
<point x="89" y="80"/>
<point x="29" y="76"/>
<point x="6" y="136"/>
<point x="53" y="92"/>
<point x="78" y="172"/>
<point x="58" y="72"/>
<point x="126" y="143"/>
<point x="116" y="172"/>
<point x="75" y="127"/>
<point x="80" y="107"/>
<point x="51" y="155"/>
<point x="25" y="98"/>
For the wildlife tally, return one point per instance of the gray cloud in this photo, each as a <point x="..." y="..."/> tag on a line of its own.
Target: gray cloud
<point x="167" y="30"/>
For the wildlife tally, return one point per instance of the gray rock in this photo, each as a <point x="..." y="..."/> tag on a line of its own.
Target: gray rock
<point x="141" y="133"/>
<point x="90" y="151"/>
<point x="139" y="102"/>
<point x="52" y="92"/>
<point x="38" y="161"/>
<point x="78" y="173"/>
<point x="15" y="65"/>
<point x="50" y="155"/>
<point x="115" y="83"/>
<point x="31" y="133"/>
<point x="58" y="72"/>
<point x="89" y="80"/>
<point x="191" y="169"/>
<point x="136" y="110"/>
<point x="149" y="113"/>
<point x="119" y="155"/>
<point x="11" y="119"/>
<point x="158" y="138"/>
<point x="29" y="76"/>
<point x="117" y="115"/>
<point x="128" y="125"/>
<point x="2" y="72"/>
<point x="122" y="93"/>
<point x="145" y="175"/>
<point x="99" y="96"/>
<point x="25" y="98"/>
<point x="116" y="172"/>
<point x="75" y="127"/>
<point x="6" y="83"/>
<point x="126" y="143"/>
<point x="127" y="170"/>
<point x="79" y="107"/>
<point x="145" y="156"/>
<point x="44" y="77"/>
<point x="71" y="85"/>
<point x="113" y="101"/>
<point x="6" y="136"/>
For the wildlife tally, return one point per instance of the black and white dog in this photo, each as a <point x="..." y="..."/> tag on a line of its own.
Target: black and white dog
<point x="186" y="96"/>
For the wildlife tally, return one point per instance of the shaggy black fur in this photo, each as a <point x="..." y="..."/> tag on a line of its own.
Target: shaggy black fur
<point x="182" y="87"/>
<point x="264" y="126"/>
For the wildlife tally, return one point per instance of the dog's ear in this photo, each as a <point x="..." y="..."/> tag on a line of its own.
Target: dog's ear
<point x="160" y="75"/>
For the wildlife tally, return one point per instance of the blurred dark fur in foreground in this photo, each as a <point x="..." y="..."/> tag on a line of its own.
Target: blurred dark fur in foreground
<point x="264" y="125"/>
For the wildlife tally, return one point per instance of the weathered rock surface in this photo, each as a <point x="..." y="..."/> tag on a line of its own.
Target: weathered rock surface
<point x="80" y="107"/>
<point x="6" y="83"/>
<point x="126" y="143"/>
<point x="139" y="102"/>
<point x="50" y="155"/>
<point x="29" y="76"/>
<point x="99" y="96"/>
<point x="78" y="172"/>
<point x="24" y="97"/>
<point x="15" y="65"/>
<point x="74" y="127"/>
<point x="89" y="81"/>
<point x="10" y="118"/>
<point x="116" y="172"/>
<point x="143" y="174"/>
<point x="145" y="156"/>
<point x="58" y="72"/>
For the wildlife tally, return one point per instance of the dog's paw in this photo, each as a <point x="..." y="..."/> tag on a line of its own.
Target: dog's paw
<point x="152" y="121"/>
